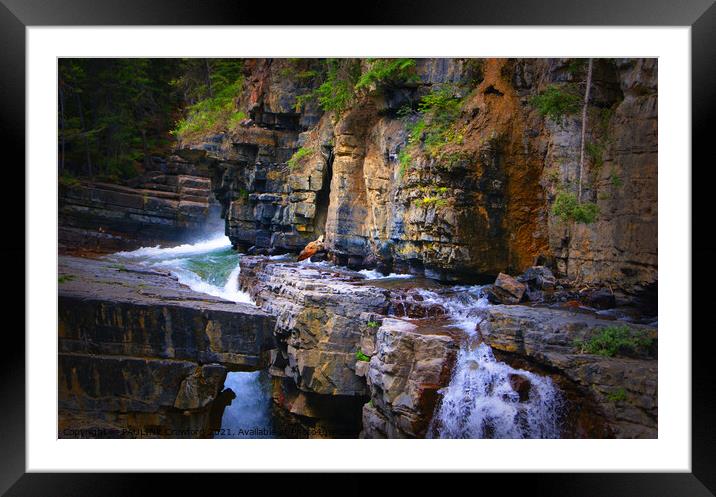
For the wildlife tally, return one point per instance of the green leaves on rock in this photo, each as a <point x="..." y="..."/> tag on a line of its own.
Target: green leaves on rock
<point x="387" y="72"/>
<point x="297" y="158"/>
<point x="567" y="208"/>
<point x="556" y="102"/>
<point x="343" y="80"/>
<point x="613" y="340"/>
<point x="214" y="84"/>
<point x="360" y="356"/>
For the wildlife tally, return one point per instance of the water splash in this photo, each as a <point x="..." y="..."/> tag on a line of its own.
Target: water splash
<point x="487" y="398"/>
<point x="157" y="252"/>
<point x="208" y="266"/>
<point x="249" y="413"/>
<point x="372" y="274"/>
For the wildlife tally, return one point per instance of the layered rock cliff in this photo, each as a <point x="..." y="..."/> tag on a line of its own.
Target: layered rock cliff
<point x="171" y="202"/>
<point x="142" y="356"/>
<point x="479" y="205"/>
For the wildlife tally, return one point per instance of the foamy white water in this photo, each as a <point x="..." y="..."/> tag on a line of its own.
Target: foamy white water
<point x="249" y="414"/>
<point x="157" y="252"/>
<point x="480" y="400"/>
<point x="372" y="274"/>
<point x="208" y="266"/>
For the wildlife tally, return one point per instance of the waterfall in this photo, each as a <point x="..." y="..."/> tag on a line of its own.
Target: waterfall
<point x="208" y="266"/>
<point x="487" y="398"/>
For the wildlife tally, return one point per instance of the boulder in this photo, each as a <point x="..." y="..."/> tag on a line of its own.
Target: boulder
<point x="521" y="385"/>
<point x="601" y="298"/>
<point x="410" y="366"/>
<point x="506" y="290"/>
<point x="538" y="277"/>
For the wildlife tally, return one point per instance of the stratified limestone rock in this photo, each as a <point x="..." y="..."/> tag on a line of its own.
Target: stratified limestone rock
<point x="169" y="203"/>
<point x="620" y="248"/>
<point x="624" y="388"/>
<point x="480" y="208"/>
<point x="138" y="350"/>
<point x="319" y="317"/>
<point x="129" y="310"/>
<point x="201" y="388"/>
<point x="410" y="364"/>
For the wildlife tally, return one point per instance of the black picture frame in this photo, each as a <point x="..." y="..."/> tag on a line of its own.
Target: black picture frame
<point x="16" y="15"/>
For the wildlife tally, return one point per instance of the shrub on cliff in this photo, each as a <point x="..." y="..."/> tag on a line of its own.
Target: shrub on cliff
<point x="387" y="72"/>
<point x="343" y="79"/>
<point x="567" y="208"/>
<point x="613" y="340"/>
<point x="360" y="356"/>
<point x="556" y="102"/>
<point x="212" y="114"/>
<point x="298" y="158"/>
<point x="434" y="127"/>
<point x="337" y="91"/>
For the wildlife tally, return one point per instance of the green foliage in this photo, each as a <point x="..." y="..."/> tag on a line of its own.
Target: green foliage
<point x="603" y="118"/>
<point x="113" y="114"/>
<point x="387" y="72"/>
<point x="434" y="201"/>
<point x="553" y="175"/>
<point x="618" y="395"/>
<point x="435" y="126"/>
<point x="567" y="208"/>
<point x="298" y="158"/>
<point x="453" y="159"/>
<point x="556" y="102"/>
<point x="595" y="152"/>
<point x="342" y="80"/>
<point x="360" y="356"/>
<point x="64" y="278"/>
<point x="373" y="324"/>
<point x="615" y="180"/>
<point x="404" y="159"/>
<point x="214" y="109"/>
<point x="337" y="92"/>
<point x="613" y="340"/>
<point x="243" y="194"/>
<point x="68" y="179"/>
<point x="576" y="66"/>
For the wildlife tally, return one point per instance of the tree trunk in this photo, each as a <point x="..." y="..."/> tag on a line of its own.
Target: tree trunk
<point x="84" y="132"/>
<point x="208" y="78"/>
<point x="62" y="129"/>
<point x="584" y="128"/>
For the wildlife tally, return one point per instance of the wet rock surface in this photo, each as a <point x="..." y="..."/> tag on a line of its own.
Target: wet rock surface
<point x="506" y="290"/>
<point x="319" y="316"/>
<point x="138" y="351"/>
<point x="624" y="389"/>
<point x="335" y="341"/>
<point x="409" y="364"/>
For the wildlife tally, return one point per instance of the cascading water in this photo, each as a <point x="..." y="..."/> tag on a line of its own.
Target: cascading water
<point x="487" y="398"/>
<point x="208" y="266"/>
<point x="249" y="414"/>
<point x="211" y="266"/>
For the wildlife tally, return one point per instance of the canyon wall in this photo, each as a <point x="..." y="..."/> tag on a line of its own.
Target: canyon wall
<point x="483" y="206"/>
<point x="171" y="202"/>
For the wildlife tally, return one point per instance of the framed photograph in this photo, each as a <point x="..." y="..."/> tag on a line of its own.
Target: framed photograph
<point x="429" y="241"/>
